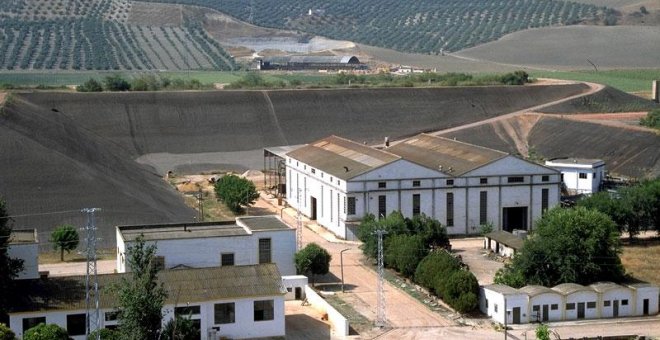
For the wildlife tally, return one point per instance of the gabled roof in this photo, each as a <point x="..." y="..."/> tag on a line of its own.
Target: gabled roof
<point x="570" y="288"/>
<point x="506" y="238"/>
<point x="602" y="287"/>
<point x="182" y="285"/>
<point x="445" y="155"/>
<point x="341" y="157"/>
<point x="534" y="290"/>
<point x="503" y="289"/>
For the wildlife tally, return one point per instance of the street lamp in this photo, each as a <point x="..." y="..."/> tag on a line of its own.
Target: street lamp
<point x="341" y="264"/>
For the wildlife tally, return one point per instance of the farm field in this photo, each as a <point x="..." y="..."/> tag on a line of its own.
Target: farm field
<point x="625" y="80"/>
<point x="575" y="48"/>
<point x="635" y="258"/>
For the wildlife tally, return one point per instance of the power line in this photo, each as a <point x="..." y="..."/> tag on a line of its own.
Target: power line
<point x="380" y="313"/>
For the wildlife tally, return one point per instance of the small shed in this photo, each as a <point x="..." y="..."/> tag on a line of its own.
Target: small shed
<point x="576" y="299"/>
<point x="614" y="300"/>
<point x="646" y="297"/>
<point x="503" y="243"/>
<point x="495" y="299"/>
<point x="544" y="303"/>
<point x="295" y="286"/>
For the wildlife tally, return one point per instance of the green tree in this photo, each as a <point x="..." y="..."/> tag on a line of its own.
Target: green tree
<point x="434" y="234"/>
<point x="436" y="264"/>
<point x="460" y="290"/>
<point x="141" y="296"/>
<point x="65" y="237"/>
<point x="568" y="245"/>
<point x="44" y="331"/>
<point x="405" y="252"/>
<point x="6" y="333"/>
<point x="116" y="83"/>
<point x="91" y="85"/>
<point x="314" y="260"/>
<point x="180" y="328"/>
<point x="542" y="332"/>
<point x="9" y="267"/>
<point x="106" y="334"/>
<point x="236" y="192"/>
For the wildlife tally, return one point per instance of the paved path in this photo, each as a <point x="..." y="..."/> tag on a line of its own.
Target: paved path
<point x="473" y="254"/>
<point x="77" y="268"/>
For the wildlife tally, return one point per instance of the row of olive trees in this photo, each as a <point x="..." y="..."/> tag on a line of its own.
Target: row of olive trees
<point x="146" y="82"/>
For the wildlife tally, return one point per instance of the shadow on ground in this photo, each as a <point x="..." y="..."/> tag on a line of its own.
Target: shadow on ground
<point x="302" y="326"/>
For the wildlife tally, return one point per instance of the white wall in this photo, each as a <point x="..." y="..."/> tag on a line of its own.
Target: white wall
<point x="546" y="299"/>
<point x="340" y="326"/>
<point x="650" y="293"/>
<point x="581" y="297"/>
<point x="56" y="317"/>
<point x="205" y="252"/>
<point x="29" y="253"/>
<point x="618" y="294"/>
<point x="572" y="180"/>
<point x="291" y="282"/>
<point x="495" y="308"/>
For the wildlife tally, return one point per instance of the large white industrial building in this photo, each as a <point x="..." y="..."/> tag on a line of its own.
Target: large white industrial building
<point x="337" y="182"/>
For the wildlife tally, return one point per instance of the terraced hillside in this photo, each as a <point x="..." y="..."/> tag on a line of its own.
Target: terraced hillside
<point x="425" y="26"/>
<point x="66" y="151"/>
<point x="102" y="35"/>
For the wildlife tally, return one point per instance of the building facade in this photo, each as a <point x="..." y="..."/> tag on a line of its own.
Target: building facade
<point x="247" y="241"/>
<point x="224" y="302"/>
<point x="24" y="245"/>
<point x="580" y="175"/>
<point x="337" y="182"/>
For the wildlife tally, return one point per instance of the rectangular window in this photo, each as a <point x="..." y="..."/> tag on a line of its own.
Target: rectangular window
<point x="536" y="308"/>
<point x="545" y="178"/>
<point x="382" y="206"/>
<point x="313" y="171"/>
<point x="624" y="302"/>
<point x="583" y="175"/>
<point x="331" y="211"/>
<point x="416" y="204"/>
<point x="263" y="310"/>
<point x="486" y="303"/>
<point x="545" y="193"/>
<point x="591" y="304"/>
<point x="159" y="262"/>
<point x="31" y="322"/>
<point x="495" y="307"/>
<point x="288" y="187"/>
<point x="570" y="306"/>
<point x="416" y="183"/>
<point x="450" y="209"/>
<point x="382" y="185"/>
<point x="76" y="324"/>
<point x="224" y="313"/>
<point x="606" y="303"/>
<point x="227" y="259"/>
<point x="111" y="316"/>
<point x="351" y="206"/>
<point x="483" y="180"/>
<point x="554" y="306"/>
<point x="450" y="182"/>
<point x="187" y="310"/>
<point x="264" y="250"/>
<point x="338" y="208"/>
<point x="483" y="207"/>
<point x="516" y="179"/>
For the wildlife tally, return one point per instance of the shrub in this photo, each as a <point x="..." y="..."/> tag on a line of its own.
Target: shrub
<point x="116" y="83"/>
<point x="46" y="332"/>
<point x="651" y="120"/>
<point x="313" y="259"/>
<point x="437" y="263"/>
<point x="236" y="192"/>
<point x="91" y="85"/>
<point x="457" y="288"/>
<point x="404" y="252"/>
<point x="6" y="333"/>
<point x="106" y="334"/>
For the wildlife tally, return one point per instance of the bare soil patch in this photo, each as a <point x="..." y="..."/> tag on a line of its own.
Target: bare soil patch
<point x="155" y="14"/>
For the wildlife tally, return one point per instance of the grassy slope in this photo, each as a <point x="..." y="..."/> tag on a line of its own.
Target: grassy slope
<point x="636" y="259"/>
<point x="625" y="80"/>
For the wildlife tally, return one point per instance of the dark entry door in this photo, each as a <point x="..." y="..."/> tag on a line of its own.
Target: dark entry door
<point x="646" y="306"/>
<point x="516" y="315"/>
<point x="514" y="218"/>
<point x="313" y="207"/>
<point x="580" y="310"/>
<point x="615" y="308"/>
<point x="545" y="313"/>
<point x="298" y="293"/>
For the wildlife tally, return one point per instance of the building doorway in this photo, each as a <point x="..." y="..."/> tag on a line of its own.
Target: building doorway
<point x="312" y="214"/>
<point x="615" y="308"/>
<point x="646" y="306"/>
<point x="514" y="218"/>
<point x="580" y="310"/>
<point x="545" y="313"/>
<point x="516" y="315"/>
<point x="298" y="293"/>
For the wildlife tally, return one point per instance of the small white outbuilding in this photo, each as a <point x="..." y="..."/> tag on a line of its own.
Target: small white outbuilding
<point x="646" y="298"/>
<point x="580" y="175"/>
<point x="495" y="299"/>
<point x="576" y="299"/>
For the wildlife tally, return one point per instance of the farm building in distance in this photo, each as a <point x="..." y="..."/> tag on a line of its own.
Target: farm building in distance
<point x="580" y="175"/>
<point x="337" y="182"/>
<point x="303" y="62"/>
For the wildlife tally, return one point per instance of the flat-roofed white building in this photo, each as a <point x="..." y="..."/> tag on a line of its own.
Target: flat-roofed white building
<point x="544" y="303"/>
<point x="645" y="301"/>
<point x="337" y="182"/>
<point x="247" y="241"/>
<point x="24" y="245"/>
<point x="580" y="175"/>
<point x="224" y="302"/>
<point x="615" y="300"/>
<point x="576" y="300"/>
<point x="497" y="300"/>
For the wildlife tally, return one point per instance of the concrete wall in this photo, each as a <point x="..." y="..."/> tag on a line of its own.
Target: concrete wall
<point x="640" y="294"/>
<point x="292" y="282"/>
<point x="623" y="296"/>
<point x="572" y="180"/>
<point x="29" y="253"/>
<point x="546" y="299"/>
<point x="340" y="326"/>
<point x="205" y="252"/>
<point x="580" y="297"/>
<point x="492" y="304"/>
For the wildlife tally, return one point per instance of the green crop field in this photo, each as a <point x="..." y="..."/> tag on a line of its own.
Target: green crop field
<point x="625" y="80"/>
<point x="424" y="26"/>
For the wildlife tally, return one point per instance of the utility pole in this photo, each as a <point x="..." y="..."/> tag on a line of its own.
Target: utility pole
<point x="200" y="205"/>
<point x="380" y="313"/>
<point x="341" y="265"/>
<point x="299" y="224"/>
<point x="91" y="279"/>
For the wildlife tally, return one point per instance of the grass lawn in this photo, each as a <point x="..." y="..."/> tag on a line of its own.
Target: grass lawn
<point x="641" y="259"/>
<point x="625" y="80"/>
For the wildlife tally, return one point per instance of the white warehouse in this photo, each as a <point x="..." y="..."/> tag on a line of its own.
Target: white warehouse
<point x="336" y="182"/>
<point x="248" y="241"/>
<point x="580" y="175"/>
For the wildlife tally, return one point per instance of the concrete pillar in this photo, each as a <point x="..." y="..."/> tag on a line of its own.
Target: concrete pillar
<point x="655" y="91"/>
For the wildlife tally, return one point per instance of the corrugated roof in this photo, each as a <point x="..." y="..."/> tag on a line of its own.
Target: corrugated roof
<point x="503" y="289"/>
<point x="506" y="238"/>
<point x="182" y="285"/>
<point x="20" y="236"/>
<point x="446" y="155"/>
<point x="570" y="288"/>
<point x="534" y="290"/>
<point x="342" y="158"/>
<point x="602" y="287"/>
<point x="281" y="151"/>
<point x="263" y="223"/>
